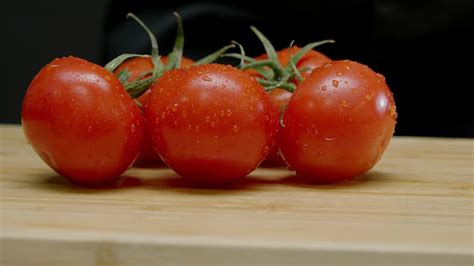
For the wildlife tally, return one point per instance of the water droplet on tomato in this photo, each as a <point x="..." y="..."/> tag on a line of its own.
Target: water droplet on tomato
<point x="266" y="149"/>
<point x="344" y="104"/>
<point x="235" y="128"/>
<point x="335" y="83"/>
<point x="381" y="77"/>
<point x="368" y="97"/>
<point x="207" y="78"/>
<point x="324" y="88"/>
<point x="174" y="107"/>
<point x="229" y="112"/>
<point x="393" y="111"/>
<point x="339" y="74"/>
<point x="354" y="90"/>
<point x="313" y="130"/>
<point x="329" y="139"/>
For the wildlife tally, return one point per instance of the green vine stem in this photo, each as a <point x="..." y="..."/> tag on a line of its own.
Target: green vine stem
<point x="174" y="58"/>
<point x="138" y="87"/>
<point x="273" y="74"/>
<point x="292" y="63"/>
<point x="155" y="57"/>
<point x="116" y="62"/>
<point x="297" y="57"/>
<point x="214" y="56"/>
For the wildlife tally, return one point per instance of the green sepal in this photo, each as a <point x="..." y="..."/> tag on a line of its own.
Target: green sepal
<point x="117" y="61"/>
<point x="175" y="57"/>
<point x="123" y="76"/>
<point x="297" y="57"/>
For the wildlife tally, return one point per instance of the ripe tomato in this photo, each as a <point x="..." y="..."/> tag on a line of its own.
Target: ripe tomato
<point x="338" y="122"/>
<point x="211" y="123"/>
<point x="81" y="122"/>
<point x="136" y="68"/>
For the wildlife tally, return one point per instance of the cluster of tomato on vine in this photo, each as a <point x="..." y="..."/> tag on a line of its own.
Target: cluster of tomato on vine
<point x="328" y="120"/>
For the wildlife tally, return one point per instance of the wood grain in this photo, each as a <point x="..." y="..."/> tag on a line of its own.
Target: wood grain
<point x="414" y="208"/>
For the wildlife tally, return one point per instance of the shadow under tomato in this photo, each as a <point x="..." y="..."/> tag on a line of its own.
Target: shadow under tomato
<point x="57" y="182"/>
<point x="369" y="178"/>
<point x="172" y="182"/>
<point x="150" y="164"/>
<point x="185" y="186"/>
<point x="169" y="183"/>
<point x="273" y="165"/>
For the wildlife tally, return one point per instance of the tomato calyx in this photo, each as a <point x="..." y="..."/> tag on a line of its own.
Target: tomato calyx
<point x="136" y="88"/>
<point x="273" y="73"/>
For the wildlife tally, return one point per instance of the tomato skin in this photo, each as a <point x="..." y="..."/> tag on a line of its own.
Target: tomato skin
<point x="136" y="67"/>
<point x="81" y="122"/>
<point x="338" y="122"/>
<point x="212" y="124"/>
<point x="280" y="98"/>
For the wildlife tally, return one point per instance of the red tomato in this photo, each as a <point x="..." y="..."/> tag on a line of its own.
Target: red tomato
<point x="212" y="123"/>
<point x="81" y="122"/>
<point x="136" y="67"/>
<point x="338" y="122"/>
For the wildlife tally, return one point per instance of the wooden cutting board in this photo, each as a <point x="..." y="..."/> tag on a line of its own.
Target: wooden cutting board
<point x="414" y="208"/>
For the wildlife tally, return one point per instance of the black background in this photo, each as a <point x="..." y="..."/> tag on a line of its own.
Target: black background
<point x="424" y="48"/>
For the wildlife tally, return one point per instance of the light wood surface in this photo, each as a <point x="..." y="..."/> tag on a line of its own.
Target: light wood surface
<point x="414" y="208"/>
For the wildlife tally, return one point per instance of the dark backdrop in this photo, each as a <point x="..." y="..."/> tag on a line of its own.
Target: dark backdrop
<point x="422" y="47"/>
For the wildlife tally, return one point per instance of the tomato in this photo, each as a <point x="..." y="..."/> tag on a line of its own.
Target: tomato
<point x="212" y="123"/>
<point x="338" y="122"/>
<point x="79" y="119"/>
<point x="136" y="68"/>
